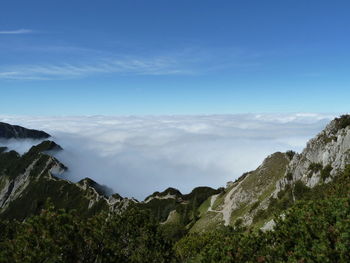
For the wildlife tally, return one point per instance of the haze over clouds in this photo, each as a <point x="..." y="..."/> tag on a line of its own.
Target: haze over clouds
<point x="139" y="155"/>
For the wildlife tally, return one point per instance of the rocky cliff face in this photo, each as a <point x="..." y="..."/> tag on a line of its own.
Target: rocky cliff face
<point x="324" y="156"/>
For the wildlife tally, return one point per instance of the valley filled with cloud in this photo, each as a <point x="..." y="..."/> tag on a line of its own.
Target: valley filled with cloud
<point x="137" y="155"/>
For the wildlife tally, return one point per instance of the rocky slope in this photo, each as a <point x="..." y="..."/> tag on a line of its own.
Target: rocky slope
<point x="244" y="197"/>
<point x="279" y="181"/>
<point x="27" y="181"/>
<point x="171" y="206"/>
<point x="324" y="156"/>
<point x="8" y="131"/>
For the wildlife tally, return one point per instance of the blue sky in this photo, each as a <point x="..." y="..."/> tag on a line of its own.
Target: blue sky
<point x="173" y="57"/>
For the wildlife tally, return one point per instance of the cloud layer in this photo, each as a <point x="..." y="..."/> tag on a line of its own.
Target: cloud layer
<point x="139" y="155"/>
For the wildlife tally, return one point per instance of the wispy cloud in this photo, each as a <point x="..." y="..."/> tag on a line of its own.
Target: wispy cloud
<point x="156" y="152"/>
<point x="16" y="32"/>
<point x="75" y="62"/>
<point x="136" y="66"/>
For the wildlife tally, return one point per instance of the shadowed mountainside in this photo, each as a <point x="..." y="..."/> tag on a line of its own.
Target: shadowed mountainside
<point x="8" y="131"/>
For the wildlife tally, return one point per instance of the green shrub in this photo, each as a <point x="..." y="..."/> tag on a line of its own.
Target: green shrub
<point x="289" y="176"/>
<point x="254" y="206"/>
<point x="342" y="122"/>
<point x="326" y="172"/>
<point x="260" y="215"/>
<point x="311" y="231"/>
<point x="300" y="189"/>
<point x="58" y="236"/>
<point x="290" y="154"/>
<point x="315" y="167"/>
<point x="347" y="171"/>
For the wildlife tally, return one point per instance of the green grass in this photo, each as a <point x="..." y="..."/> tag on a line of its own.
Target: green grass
<point x="173" y="218"/>
<point x="204" y="206"/>
<point x="262" y="182"/>
<point x="160" y="208"/>
<point x="259" y="183"/>
<point x="209" y="222"/>
<point x="239" y="212"/>
<point x="275" y="167"/>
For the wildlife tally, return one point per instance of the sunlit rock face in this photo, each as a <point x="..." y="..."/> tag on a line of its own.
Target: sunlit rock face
<point x="324" y="156"/>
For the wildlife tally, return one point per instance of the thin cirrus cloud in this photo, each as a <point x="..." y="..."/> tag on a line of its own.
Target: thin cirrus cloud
<point x="16" y="32"/>
<point x="137" y="155"/>
<point x="137" y="66"/>
<point x="189" y="61"/>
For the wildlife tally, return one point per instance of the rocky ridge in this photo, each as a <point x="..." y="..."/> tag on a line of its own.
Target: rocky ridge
<point x="324" y="156"/>
<point x="27" y="181"/>
<point x="254" y="193"/>
<point x="8" y="131"/>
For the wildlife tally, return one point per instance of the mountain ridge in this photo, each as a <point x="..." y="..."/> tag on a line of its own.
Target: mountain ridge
<point x="294" y="207"/>
<point x="9" y="131"/>
<point x="247" y="199"/>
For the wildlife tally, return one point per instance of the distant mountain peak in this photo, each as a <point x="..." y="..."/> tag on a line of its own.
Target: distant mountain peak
<point x="9" y="131"/>
<point x="46" y="146"/>
<point x="100" y="189"/>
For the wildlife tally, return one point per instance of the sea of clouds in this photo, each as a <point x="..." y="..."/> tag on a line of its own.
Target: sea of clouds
<point x="137" y="155"/>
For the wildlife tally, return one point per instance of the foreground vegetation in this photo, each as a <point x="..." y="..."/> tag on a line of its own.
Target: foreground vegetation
<point x="58" y="236"/>
<point x="314" y="229"/>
